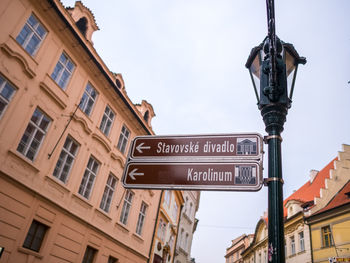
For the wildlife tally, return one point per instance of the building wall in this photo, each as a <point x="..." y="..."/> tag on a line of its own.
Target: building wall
<point x="340" y="228"/>
<point x="28" y="188"/>
<point x="294" y="227"/>
<point x="187" y="226"/>
<point x="233" y="253"/>
<point x="257" y="251"/>
<point x="167" y="231"/>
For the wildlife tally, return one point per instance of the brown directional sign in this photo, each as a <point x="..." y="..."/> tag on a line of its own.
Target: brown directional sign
<point x="187" y="148"/>
<point x="237" y="176"/>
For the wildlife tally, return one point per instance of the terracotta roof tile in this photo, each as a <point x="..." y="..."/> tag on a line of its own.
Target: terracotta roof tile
<point x="309" y="191"/>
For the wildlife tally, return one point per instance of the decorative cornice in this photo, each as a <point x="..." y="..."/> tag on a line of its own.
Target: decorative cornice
<point x="102" y="141"/>
<point x="83" y="122"/>
<point x="53" y="95"/>
<point x="22" y="61"/>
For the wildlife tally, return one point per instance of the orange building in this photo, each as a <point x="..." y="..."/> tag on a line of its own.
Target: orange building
<point x="65" y="129"/>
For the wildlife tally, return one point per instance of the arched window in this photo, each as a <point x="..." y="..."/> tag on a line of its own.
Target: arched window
<point x="82" y="25"/>
<point x="119" y="84"/>
<point x="146" y="116"/>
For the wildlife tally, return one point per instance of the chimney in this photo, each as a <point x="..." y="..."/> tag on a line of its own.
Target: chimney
<point x="313" y="174"/>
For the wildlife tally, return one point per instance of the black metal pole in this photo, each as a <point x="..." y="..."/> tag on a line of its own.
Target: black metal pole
<point x="274" y="116"/>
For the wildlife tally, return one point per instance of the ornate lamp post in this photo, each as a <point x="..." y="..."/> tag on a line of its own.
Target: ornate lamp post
<point x="273" y="66"/>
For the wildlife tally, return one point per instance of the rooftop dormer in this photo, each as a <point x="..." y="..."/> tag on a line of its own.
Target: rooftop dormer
<point x="147" y="112"/>
<point x="84" y="20"/>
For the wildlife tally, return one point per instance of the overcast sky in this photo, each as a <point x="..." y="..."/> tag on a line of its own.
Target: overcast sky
<point x="187" y="57"/>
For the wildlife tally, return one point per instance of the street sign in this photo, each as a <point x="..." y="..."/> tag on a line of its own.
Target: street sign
<point x="188" y="148"/>
<point x="238" y="176"/>
<point x="195" y="162"/>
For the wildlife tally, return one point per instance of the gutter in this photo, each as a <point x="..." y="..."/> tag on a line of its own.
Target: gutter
<point x="155" y="226"/>
<point x="98" y="64"/>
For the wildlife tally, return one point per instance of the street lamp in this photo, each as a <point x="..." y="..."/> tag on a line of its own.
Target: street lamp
<point x="273" y="66"/>
<point x="259" y="67"/>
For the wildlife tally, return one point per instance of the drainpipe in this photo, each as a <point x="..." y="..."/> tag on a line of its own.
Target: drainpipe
<point x="312" y="256"/>
<point x="177" y="232"/>
<point x="155" y="226"/>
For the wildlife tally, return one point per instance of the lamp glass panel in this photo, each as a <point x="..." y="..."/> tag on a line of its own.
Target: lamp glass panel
<point x="255" y="66"/>
<point x="290" y="62"/>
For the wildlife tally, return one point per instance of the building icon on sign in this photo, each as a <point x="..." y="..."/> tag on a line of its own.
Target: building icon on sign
<point x="245" y="174"/>
<point x="247" y="146"/>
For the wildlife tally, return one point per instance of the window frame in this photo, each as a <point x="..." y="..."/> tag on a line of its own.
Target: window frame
<point x="301" y="241"/>
<point x="67" y="154"/>
<point x="141" y="218"/>
<point x="87" y="98"/>
<point x="107" y="121"/>
<point x="89" y="252"/>
<point x="328" y="234"/>
<point x="34" y="226"/>
<point x="127" y="204"/>
<point x="167" y="197"/>
<point x="30" y="34"/>
<point x="292" y="245"/>
<point x="5" y="100"/>
<point x="123" y="139"/>
<point x="91" y="171"/>
<point x="64" y="68"/>
<point x="161" y="229"/>
<point x="33" y="128"/>
<point x="112" y="259"/>
<point x="108" y="193"/>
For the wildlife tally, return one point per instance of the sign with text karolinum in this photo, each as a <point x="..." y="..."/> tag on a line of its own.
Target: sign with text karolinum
<point x="230" y="162"/>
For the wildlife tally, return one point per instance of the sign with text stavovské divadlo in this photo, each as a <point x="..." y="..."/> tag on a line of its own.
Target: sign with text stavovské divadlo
<point x="231" y="162"/>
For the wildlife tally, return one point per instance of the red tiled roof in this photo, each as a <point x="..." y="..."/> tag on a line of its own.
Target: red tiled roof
<point x="341" y="198"/>
<point x="309" y="190"/>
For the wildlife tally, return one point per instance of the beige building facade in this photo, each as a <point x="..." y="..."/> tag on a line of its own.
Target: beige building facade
<point x="163" y="246"/>
<point x="239" y="244"/>
<point x="65" y="128"/>
<point x="187" y="226"/>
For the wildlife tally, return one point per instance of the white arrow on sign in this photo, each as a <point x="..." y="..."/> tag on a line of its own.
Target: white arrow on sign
<point x="140" y="147"/>
<point x="133" y="173"/>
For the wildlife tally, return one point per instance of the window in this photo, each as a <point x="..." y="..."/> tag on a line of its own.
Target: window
<point x="141" y="218"/>
<point x="34" y="134"/>
<point x="292" y="245"/>
<point x="186" y="242"/>
<point x="327" y="240"/>
<point x="82" y="25"/>
<point x="88" y="99"/>
<point x="126" y="207"/>
<point x="301" y="241"/>
<point x="35" y="236"/>
<point x="89" y="255"/>
<point x="171" y="242"/>
<point x="112" y="259"/>
<point x="108" y="193"/>
<point x="107" y="121"/>
<point x="190" y="210"/>
<point x="89" y="178"/>
<point x="63" y="71"/>
<point x="182" y="238"/>
<point x="161" y="229"/>
<point x="6" y="93"/>
<point x="167" y="194"/>
<point x="123" y="139"/>
<point x="31" y="35"/>
<point x="175" y="210"/>
<point x="66" y="159"/>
